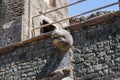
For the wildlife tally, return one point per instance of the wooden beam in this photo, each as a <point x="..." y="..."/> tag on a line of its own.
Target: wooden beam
<point x="73" y="27"/>
<point x="74" y="16"/>
<point x="119" y="4"/>
<point x="90" y="22"/>
<point x="59" y="8"/>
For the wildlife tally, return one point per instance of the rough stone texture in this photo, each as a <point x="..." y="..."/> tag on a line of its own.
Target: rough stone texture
<point x="96" y="50"/>
<point x="96" y="54"/>
<point x="11" y="21"/>
<point x="12" y="32"/>
<point x="10" y="10"/>
<point x="35" y="60"/>
<point x="84" y="18"/>
<point x="36" y="7"/>
<point x="14" y="10"/>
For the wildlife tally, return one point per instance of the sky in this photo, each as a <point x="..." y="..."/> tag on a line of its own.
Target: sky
<point x="89" y="5"/>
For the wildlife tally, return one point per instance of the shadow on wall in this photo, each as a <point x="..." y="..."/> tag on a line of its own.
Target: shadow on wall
<point x="50" y="66"/>
<point x="36" y="59"/>
<point x="12" y="32"/>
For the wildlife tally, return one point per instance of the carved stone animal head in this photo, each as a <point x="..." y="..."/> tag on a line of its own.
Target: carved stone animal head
<point x="62" y="39"/>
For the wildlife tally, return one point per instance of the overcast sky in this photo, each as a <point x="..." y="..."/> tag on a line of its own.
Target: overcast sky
<point x="90" y="4"/>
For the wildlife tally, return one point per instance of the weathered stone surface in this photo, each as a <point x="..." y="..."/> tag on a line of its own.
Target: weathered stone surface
<point x="10" y="10"/>
<point x="20" y="12"/>
<point x="12" y="34"/>
<point x="28" y="62"/>
<point x="98" y="56"/>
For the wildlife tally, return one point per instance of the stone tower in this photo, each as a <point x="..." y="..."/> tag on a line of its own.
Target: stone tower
<point x="16" y="18"/>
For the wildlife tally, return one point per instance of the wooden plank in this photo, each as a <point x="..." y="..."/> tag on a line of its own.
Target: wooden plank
<point x="59" y="8"/>
<point x="91" y="21"/>
<point x="117" y="13"/>
<point x="73" y="27"/>
<point x="75" y="16"/>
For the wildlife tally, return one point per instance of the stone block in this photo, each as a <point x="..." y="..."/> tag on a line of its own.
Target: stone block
<point x="98" y="67"/>
<point x="101" y="54"/>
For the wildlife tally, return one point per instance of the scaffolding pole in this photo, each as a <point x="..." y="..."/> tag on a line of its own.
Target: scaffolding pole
<point x="119" y="4"/>
<point x="77" y="15"/>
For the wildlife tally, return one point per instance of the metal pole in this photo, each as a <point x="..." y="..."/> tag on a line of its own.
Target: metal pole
<point x="55" y="10"/>
<point x="60" y="8"/>
<point x="78" y="15"/>
<point x="119" y="4"/>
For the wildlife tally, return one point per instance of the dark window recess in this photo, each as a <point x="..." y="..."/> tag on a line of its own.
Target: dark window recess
<point x="53" y="3"/>
<point x="47" y="28"/>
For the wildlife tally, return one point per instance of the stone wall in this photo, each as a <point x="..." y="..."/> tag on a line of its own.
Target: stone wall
<point x="10" y="10"/>
<point x="25" y="62"/>
<point x="96" y="49"/>
<point x="11" y="33"/>
<point x="33" y="8"/>
<point x="96" y="54"/>
<point x="61" y="3"/>
<point x="10" y="21"/>
<point x="33" y="61"/>
<point x="37" y="7"/>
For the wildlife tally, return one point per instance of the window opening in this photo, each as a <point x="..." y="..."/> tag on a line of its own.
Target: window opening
<point x="47" y="28"/>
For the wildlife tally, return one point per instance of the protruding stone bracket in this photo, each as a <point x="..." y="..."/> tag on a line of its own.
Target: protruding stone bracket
<point x="58" y="74"/>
